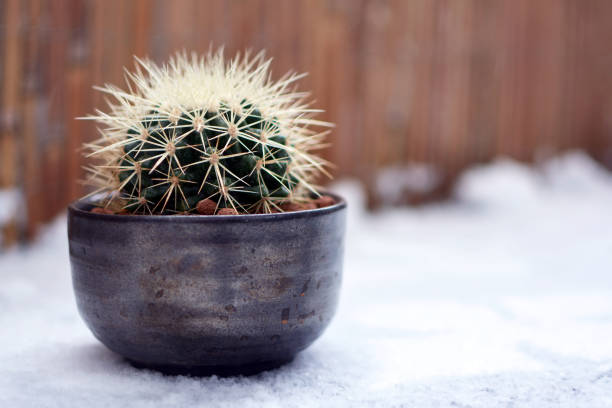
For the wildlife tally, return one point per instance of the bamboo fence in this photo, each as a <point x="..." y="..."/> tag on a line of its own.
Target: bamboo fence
<point x="444" y="82"/>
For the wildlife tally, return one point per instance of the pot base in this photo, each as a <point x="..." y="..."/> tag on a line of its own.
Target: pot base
<point x="219" y="371"/>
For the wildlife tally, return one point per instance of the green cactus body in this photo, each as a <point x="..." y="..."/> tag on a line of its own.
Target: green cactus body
<point x="237" y="160"/>
<point x="165" y="148"/>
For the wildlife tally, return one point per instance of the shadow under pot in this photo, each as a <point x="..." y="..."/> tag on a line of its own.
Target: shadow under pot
<point x="198" y="294"/>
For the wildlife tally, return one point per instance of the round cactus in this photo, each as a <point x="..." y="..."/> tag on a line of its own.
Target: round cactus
<point x="201" y="128"/>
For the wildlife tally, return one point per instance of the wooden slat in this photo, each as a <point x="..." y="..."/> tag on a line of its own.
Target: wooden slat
<point x="78" y="97"/>
<point x="11" y="100"/>
<point x="31" y="122"/>
<point x="11" y="92"/>
<point x="141" y="15"/>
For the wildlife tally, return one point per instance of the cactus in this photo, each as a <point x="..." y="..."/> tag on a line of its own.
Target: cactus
<point x="201" y="128"/>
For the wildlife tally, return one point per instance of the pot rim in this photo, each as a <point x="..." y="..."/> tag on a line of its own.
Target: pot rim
<point x="74" y="208"/>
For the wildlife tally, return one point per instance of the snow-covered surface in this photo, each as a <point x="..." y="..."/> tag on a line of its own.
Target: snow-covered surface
<point x="9" y="201"/>
<point x="394" y="181"/>
<point x="500" y="298"/>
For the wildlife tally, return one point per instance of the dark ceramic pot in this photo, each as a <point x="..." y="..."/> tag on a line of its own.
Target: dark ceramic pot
<point x="197" y="294"/>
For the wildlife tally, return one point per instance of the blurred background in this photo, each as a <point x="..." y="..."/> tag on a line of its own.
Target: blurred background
<point x="419" y="90"/>
<point x="473" y="144"/>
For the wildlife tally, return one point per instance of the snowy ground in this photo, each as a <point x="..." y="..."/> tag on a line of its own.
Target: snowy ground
<point x="500" y="298"/>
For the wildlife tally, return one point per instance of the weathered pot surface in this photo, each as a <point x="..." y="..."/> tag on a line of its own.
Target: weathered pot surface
<point x="199" y="294"/>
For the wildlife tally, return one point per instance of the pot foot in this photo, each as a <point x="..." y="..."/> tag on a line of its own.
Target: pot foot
<point x="207" y="371"/>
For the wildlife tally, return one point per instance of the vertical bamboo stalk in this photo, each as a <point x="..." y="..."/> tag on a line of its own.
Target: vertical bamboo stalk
<point x="31" y="120"/>
<point x="11" y="100"/>
<point x="142" y="15"/>
<point x="485" y="81"/>
<point x="421" y="17"/>
<point x="77" y="97"/>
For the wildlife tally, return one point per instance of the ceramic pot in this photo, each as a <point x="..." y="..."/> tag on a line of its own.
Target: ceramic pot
<point x="196" y="294"/>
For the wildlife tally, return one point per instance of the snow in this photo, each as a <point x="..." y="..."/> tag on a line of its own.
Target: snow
<point x="501" y="297"/>
<point x="393" y="181"/>
<point x="9" y="199"/>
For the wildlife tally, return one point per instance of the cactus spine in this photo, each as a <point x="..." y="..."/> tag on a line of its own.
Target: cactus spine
<point x="202" y="128"/>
